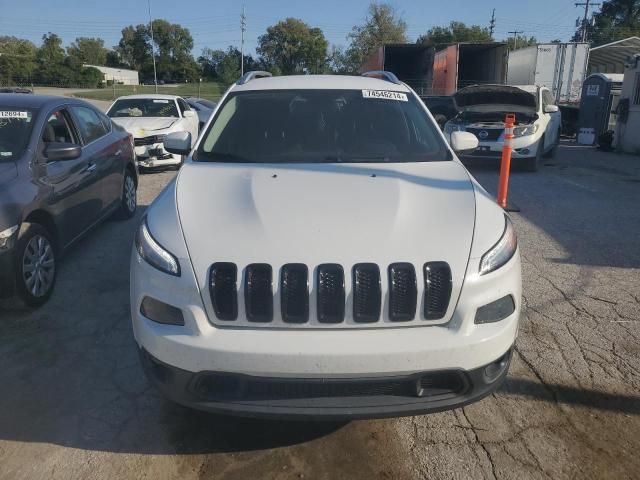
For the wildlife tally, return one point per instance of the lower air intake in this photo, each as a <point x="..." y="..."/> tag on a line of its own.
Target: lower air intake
<point x="330" y="293"/>
<point x="403" y="292"/>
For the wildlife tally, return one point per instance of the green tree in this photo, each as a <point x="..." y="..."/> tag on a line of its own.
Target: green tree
<point x="292" y="47"/>
<point x="382" y="26"/>
<point x="50" y="58"/>
<point x="616" y="20"/>
<point x="224" y="66"/>
<point x="88" y="50"/>
<point x="516" y="43"/>
<point x="455" y="32"/>
<point x="134" y="48"/>
<point x="17" y="60"/>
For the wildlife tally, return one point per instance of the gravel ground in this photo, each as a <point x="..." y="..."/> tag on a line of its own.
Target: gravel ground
<point x="75" y="403"/>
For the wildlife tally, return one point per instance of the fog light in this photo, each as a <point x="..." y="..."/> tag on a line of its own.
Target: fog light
<point x="160" y="312"/>
<point x="496" y="311"/>
<point x="497" y="368"/>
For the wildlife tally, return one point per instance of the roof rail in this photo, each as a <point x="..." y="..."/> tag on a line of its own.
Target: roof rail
<point x="247" y="77"/>
<point x="383" y="75"/>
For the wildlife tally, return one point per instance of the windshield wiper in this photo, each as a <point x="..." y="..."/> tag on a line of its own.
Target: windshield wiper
<point x="226" y="156"/>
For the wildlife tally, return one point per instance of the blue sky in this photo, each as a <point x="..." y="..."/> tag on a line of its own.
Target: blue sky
<point x="215" y="23"/>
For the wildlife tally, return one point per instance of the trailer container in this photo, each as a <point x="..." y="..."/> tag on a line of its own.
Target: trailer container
<point x="561" y="67"/>
<point x="411" y="63"/>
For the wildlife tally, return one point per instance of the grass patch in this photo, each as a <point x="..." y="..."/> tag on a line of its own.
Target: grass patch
<point x="208" y="90"/>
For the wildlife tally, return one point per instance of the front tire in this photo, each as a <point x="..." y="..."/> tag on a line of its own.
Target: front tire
<point x="35" y="265"/>
<point x="129" y="202"/>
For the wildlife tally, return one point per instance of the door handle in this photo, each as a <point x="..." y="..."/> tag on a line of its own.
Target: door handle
<point x="90" y="168"/>
<point x="118" y="152"/>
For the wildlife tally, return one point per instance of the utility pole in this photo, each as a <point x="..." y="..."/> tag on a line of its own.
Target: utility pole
<point x="153" y="54"/>
<point x="243" y="28"/>
<point x="585" y="23"/>
<point x="515" y="38"/>
<point x="492" y="24"/>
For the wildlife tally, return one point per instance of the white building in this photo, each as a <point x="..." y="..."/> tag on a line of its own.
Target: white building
<point x="118" y="75"/>
<point x="627" y="138"/>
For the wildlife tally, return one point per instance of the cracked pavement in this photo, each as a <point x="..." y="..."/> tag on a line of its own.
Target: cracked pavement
<point x="75" y="403"/>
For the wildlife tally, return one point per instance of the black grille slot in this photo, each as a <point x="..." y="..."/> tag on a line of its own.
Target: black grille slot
<point x="403" y="292"/>
<point x="138" y="142"/>
<point x="223" y="290"/>
<point x="294" y="293"/>
<point x="330" y="293"/>
<point x="437" y="289"/>
<point x="366" y="293"/>
<point x="258" y="293"/>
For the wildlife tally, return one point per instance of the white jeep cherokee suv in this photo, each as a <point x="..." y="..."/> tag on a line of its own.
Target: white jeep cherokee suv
<point x="482" y="112"/>
<point x="324" y="254"/>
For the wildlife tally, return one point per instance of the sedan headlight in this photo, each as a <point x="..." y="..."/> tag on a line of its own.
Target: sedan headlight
<point x="525" y="130"/>
<point x="502" y="251"/>
<point x="153" y="253"/>
<point x="6" y="235"/>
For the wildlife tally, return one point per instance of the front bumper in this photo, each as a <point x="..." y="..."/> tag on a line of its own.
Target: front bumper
<point x="326" y="399"/>
<point x="522" y="148"/>
<point x="155" y="156"/>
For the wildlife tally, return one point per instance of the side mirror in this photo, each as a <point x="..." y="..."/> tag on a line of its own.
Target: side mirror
<point x="189" y="114"/>
<point x="551" y="109"/>
<point x="178" y="143"/>
<point x="464" y="142"/>
<point x="56" y="151"/>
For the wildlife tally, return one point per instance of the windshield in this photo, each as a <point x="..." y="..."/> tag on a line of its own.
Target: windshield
<point x="321" y="126"/>
<point x="143" y="107"/>
<point x="15" y="130"/>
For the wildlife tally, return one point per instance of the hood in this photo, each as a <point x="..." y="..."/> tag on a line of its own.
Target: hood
<point x="8" y="171"/>
<point x="327" y="213"/>
<point x="493" y="95"/>
<point x="143" y="126"/>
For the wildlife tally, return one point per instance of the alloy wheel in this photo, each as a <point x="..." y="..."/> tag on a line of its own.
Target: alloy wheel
<point x="130" y="193"/>
<point x="38" y="266"/>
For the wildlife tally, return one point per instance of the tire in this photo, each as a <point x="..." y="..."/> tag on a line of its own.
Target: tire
<point x="552" y="152"/>
<point x="129" y="201"/>
<point x="533" y="164"/>
<point x="35" y="265"/>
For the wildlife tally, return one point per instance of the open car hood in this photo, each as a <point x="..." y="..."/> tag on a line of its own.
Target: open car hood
<point x="493" y="95"/>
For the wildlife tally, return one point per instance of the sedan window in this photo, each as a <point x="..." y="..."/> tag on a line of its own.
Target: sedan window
<point x="15" y="129"/>
<point x="89" y="123"/>
<point x="58" y="129"/>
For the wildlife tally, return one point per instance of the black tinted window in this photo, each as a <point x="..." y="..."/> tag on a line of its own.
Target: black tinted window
<point x="15" y="130"/>
<point x="321" y="126"/>
<point x="89" y="123"/>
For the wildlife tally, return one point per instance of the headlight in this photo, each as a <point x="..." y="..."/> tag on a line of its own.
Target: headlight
<point x="453" y="127"/>
<point x="153" y="253"/>
<point x="502" y="251"/>
<point x="526" y="130"/>
<point x="6" y="235"/>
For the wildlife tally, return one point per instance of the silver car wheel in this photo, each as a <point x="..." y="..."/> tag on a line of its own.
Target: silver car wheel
<point x="130" y="193"/>
<point x="38" y="266"/>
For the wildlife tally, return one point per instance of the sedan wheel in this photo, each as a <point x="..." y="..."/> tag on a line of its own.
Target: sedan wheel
<point x="129" y="201"/>
<point x="35" y="265"/>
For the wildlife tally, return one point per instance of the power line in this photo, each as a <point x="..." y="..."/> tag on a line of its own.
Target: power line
<point x="515" y="38"/>
<point x="585" y="23"/>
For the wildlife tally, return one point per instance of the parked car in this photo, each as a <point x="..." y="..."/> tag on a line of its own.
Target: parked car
<point x="64" y="167"/>
<point x="482" y="112"/>
<point x="203" y="107"/>
<point x="323" y="253"/>
<point x="442" y="107"/>
<point x="15" y="90"/>
<point x="149" y="118"/>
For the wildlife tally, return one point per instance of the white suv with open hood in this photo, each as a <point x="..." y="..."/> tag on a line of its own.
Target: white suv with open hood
<point x="323" y="253"/>
<point x="482" y="112"/>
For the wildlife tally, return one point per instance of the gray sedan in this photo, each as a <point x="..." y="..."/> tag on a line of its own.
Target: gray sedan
<point x="204" y="108"/>
<point x="64" y="167"/>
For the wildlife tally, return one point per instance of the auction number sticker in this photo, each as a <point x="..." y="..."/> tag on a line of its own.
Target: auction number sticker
<point x="385" y="95"/>
<point x="161" y="101"/>
<point x="13" y="114"/>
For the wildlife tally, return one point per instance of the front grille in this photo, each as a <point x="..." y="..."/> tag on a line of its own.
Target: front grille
<point x="223" y="290"/>
<point x="437" y="289"/>
<point x="368" y="302"/>
<point x="139" y="142"/>
<point x="492" y="134"/>
<point x="294" y="293"/>
<point x="258" y="293"/>
<point x="330" y="293"/>
<point x="403" y="292"/>
<point x="367" y="293"/>
<point x="211" y="387"/>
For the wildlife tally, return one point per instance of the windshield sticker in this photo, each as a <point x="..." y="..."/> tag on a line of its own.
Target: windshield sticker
<point x="385" y="95"/>
<point x="6" y="154"/>
<point x="13" y="114"/>
<point x="161" y="101"/>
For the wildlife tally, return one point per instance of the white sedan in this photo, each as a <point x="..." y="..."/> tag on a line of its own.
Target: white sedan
<point x="149" y="118"/>
<point x="324" y="254"/>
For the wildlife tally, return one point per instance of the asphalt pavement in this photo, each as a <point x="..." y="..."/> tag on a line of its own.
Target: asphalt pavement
<point x="75" y="403"/>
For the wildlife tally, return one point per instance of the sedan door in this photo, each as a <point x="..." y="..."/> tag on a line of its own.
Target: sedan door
<point x="68" y="183"/>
